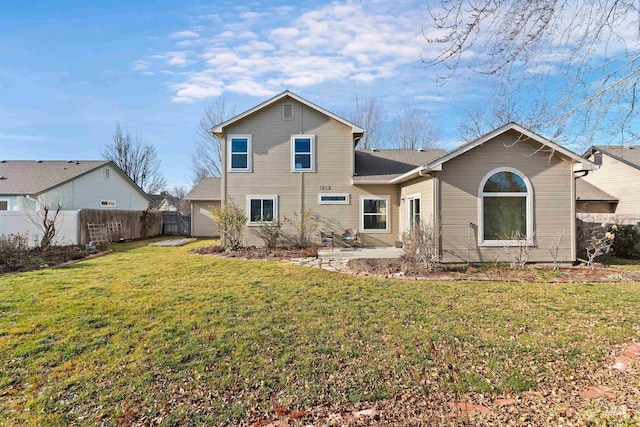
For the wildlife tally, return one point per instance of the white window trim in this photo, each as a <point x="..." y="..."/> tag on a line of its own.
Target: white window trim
<point x="8" y="203"/>
<point x="408" y="199"/>
<point x="313" y="153"/>
<point x="333" y="202"/>
<point x="109" y="203"/>
<point x="529" y="207"/>
<point x="388" y="214"/>
<point x="261" y="197"/>
<point x="249" y="153"/>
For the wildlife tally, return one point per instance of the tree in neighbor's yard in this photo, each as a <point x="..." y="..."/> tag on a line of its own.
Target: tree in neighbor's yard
<point x="370" y="115"/>
<point x="413" y="130"/>
<point x="206" y="159"/>
<point x="582" y="55"/>
<point x="136" y="159"/>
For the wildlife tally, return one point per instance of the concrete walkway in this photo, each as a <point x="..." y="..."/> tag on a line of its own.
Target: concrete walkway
<point x="338" y="258"/>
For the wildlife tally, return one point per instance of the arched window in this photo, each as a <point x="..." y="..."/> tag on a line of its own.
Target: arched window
<point x="505" y="199"/>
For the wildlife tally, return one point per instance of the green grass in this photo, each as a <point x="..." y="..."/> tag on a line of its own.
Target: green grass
<point x="154" y="331"/>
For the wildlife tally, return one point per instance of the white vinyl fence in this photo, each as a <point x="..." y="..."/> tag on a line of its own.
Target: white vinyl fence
<point x="68" y="226"/>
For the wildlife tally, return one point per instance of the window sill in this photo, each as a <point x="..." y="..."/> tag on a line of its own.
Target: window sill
<point x="502" y="243"/>
<point x="240" y="170"/>
<point x="376" y="231"/>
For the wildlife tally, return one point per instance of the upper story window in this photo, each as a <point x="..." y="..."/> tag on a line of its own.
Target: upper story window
<point x="506" y="212"/>
<point x="303" y="153"/>
<point x="108" y="203"/>
<point x="239" y="153"/>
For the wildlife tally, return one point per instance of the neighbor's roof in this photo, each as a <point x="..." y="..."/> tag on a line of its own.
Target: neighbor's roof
<point x="626" y="154"/>
<point x="585" y="191"/>
<point x="27" y="177"/>
<point x="436" y="165"/>
<point x="207" y="189"/>
<point x="381" y="166"/>
<point x="218" y="129"/>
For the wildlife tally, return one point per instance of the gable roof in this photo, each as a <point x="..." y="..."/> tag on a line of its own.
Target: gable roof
<point x="629" y="155"/>
<point x="218" y="129"/>
<point x="30" y="177"/>
<point x="207" y="189"/>
<point x="585" y="191"/>
<point x="436" y="165"/>
<point x="381" y="166"/>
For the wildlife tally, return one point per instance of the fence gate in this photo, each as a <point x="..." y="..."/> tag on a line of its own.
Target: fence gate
<point x="176" y="223"/>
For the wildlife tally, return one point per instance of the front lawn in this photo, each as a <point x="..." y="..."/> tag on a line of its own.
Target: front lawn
<point x="157" y="335"/>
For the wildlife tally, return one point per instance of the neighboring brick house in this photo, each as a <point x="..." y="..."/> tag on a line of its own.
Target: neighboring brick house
<point x="288" y="154"/>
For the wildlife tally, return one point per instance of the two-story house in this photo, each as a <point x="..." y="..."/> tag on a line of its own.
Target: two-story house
<point x="505" y="188"/>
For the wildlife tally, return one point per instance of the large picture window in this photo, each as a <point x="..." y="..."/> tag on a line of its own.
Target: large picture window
<point x="239" y="149"/>
<point x="262" y="209"/>
<point x="303" y="153"/>
<point x="374" y="214"/>
<point x="505" y="207"/>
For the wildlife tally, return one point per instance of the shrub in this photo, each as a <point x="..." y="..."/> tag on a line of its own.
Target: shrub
<point x="270" y="232"/>
<point x="230" y="220"/>
<point x="306" y="224"/>
<point x="147" y="220"/>
<point x="12" y="251"/>
<point x="627" y="242"/>
<point x="600" y="241"/>
<point x="420" y="245"/>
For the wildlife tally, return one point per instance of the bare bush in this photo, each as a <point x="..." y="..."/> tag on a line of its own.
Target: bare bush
<point x="305" y="223"/>
<point x="230" y="220"/>
<point x="270" y="232"/>
<point x="46" y="220"/>
<point x="599" y="243"/>
<point x="420" y="245"/>
<point x="12" y="249"/>
<point x="554" y="248"/>
<point x="519" y="248"/>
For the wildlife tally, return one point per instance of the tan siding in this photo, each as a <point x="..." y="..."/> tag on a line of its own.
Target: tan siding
<point x="552" y="205"/>
<point x="271" y="173"/>
<point x="423" y="187"/>
<point x="202" y="220"/>
<point x="620" y="180"/>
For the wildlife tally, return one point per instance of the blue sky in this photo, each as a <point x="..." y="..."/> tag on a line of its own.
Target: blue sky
<point x="70" y="69"/>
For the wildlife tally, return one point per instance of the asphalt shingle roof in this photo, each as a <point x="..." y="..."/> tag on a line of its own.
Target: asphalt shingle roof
<point x="385" y="165"/>
<point x="589" y="192"/>
<point x="628" y="154"/>
<point x="22" y="177"/>
<point x="207" y="189"/>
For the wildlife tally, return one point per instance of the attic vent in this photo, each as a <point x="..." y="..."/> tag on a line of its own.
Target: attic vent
<point x="38" y="161"/>
<point x="421" y="150"/>
<point x="2" y="177"/>
<point x="597" y="159"/>
<point x="374" y="149"/>
<point x="287" y="112"/>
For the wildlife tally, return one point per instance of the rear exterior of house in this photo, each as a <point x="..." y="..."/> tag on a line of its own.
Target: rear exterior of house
<point x="203" y="197"/>
<point x="505" y="190"/>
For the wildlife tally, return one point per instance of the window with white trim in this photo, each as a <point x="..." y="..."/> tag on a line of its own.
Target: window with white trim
<point x="333" y="198"/>
<point x="108" y="203"/>
<point x="262" y="209"/>
<point x="505" y="208"/>
<point x="239" y="153"/>
<point x="303" y="153"/>
<point x="413" y="211"/>
<point x="374" y="214"/>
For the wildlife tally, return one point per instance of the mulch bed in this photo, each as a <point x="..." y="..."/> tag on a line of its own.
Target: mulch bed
<point x="252" y="252"/>
<point x="400" y="268"/>
<point x="35" y="259"/>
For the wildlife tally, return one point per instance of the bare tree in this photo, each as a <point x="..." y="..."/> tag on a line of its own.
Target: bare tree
<point x="177" y="194"/>
<point x="136" y="159"/>
<point x="583" y="55"/>
<point x="413" y="130"/>
<point x="206" y="158"/>
<point x="46" y="217"/>
<point x="370" y="115"/>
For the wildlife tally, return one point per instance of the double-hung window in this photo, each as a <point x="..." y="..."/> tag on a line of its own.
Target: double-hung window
<point x="303" y="153"/>
<point x="262" y="209"/>
<point x="506" y="212"/>
<point x="239" y="153"/>
<point x="374" y="214"/>
<point x="413" y="211"/>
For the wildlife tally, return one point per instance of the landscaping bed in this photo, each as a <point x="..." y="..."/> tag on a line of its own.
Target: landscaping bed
<point x="400" y="268"/>
<point x="33" y="259"/>
<point x="252" y="252"/>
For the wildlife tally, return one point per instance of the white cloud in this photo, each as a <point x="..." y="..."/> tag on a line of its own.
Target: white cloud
<point x="184" y="35"/>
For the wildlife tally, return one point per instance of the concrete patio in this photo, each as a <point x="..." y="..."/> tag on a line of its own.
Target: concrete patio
<point x="381" y="252"/>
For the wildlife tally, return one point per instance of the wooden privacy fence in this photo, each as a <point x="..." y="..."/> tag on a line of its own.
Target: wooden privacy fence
<point x="129" y="226"/>
<point x="174" y="222"/>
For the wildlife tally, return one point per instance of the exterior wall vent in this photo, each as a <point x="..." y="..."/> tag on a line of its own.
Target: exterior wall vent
<point x="287" y="112"/>
<point x="597" y="159"/>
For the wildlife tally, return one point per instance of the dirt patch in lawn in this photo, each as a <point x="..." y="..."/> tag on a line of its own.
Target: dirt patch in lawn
<point x="280" y="253"/>
<point x="400" y="268"/>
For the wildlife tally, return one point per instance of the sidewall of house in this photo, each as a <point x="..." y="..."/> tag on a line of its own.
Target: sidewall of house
<point x="552" y="187"/>
<point x="202" y="219"/>
<point x="422" y="187"/>
<point x="619" y="180"/>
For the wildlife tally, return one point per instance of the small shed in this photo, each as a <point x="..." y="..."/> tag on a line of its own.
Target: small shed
<point x="204" y="196"/>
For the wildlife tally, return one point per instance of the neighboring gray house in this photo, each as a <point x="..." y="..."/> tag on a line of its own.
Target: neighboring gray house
<point x="618" y="179"/>
<point x="204" y="196"/>
<point x="507" y="188"/>
<point x="28" y="184"/>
